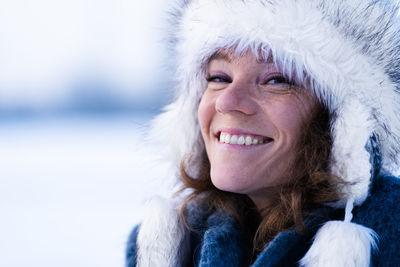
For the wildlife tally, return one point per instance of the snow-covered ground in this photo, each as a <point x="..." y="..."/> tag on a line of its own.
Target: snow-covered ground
<point x="72" y="189"/>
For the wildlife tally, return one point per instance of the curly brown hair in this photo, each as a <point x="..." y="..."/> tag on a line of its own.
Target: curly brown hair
<point x="310" y="184"/>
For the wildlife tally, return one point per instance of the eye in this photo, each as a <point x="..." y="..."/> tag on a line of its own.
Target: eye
<point x="277" y="80"/>
<point x="218" y="79"/>
<point x="278" y="84"/>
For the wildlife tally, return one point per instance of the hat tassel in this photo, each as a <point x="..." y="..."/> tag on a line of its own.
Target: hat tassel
<point x="341" y="243"/>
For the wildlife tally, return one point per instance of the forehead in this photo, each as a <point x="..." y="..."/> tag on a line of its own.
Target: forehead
<point x="246" y="63"/>
<point x="229" y="55"/>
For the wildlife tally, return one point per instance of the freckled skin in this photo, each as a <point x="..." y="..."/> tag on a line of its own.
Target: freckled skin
<point x="252" y="96"/>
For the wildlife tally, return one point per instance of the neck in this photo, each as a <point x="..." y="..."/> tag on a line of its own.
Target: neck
<point x="264" y="197"/>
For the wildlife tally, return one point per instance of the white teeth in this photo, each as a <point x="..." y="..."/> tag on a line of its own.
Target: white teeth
<point x="227" y="138"/>
<point x="222" y="138"/>
<point x="234" y="140"/>
<point x="248" y="141"/>
<point x="239" y="140"/>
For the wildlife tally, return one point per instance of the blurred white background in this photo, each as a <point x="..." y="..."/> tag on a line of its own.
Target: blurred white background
<point x="79" y="82"/>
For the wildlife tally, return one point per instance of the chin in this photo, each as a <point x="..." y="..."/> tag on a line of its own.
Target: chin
<point x="229" y="183"/>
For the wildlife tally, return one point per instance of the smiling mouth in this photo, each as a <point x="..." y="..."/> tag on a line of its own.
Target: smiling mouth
<point x="242" y="139"/>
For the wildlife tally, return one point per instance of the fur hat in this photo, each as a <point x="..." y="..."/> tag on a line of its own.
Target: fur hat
<point x="349" y="50"/>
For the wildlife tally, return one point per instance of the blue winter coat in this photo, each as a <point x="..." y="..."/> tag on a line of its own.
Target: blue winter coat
<point x="218" y="238"/>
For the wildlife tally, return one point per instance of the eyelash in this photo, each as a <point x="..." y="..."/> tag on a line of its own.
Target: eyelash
<point x="222" y="79"/>
<point x="219" y="77"/>
<point x="278" y="78"/>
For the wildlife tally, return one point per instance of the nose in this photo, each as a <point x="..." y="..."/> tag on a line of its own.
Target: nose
<point x="236" y="98"/>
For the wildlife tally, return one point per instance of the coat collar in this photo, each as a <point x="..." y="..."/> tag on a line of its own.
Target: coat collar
<point x="217" y="240"/>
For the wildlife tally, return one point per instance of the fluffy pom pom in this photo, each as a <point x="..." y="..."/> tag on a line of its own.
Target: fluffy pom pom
<point x="340" y="243"/>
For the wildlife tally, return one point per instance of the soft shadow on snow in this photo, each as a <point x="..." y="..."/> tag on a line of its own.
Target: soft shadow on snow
<point x="72" y="189"/>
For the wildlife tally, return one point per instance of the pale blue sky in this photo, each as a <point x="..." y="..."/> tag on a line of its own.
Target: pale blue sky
<point x="47" y="45"/>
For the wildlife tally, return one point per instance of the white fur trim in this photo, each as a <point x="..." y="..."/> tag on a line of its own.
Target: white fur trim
<point x="177" y="133"/>
<point x="344" y="65"/>
<point x="328" y="40"/>
<point x="350" y="133"/>
<point x="162" y="239"/>
<point x="342" y="244"/>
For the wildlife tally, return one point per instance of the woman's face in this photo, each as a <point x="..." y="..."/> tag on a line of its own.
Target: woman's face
<point x="251" y="120"/>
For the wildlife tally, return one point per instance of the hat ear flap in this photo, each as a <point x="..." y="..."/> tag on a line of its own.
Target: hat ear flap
<point x="343" y="243"/>
<point x="351" y="131"/>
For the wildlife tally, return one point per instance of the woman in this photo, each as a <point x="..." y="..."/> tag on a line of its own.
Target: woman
<point x="286" y="130"/>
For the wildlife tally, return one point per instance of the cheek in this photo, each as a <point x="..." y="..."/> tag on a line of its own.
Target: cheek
<point x="205" y="113"/>
<point x="290" y="116"/>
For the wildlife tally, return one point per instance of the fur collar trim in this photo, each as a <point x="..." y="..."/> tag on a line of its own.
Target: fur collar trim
<point x="163" y="241"/>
